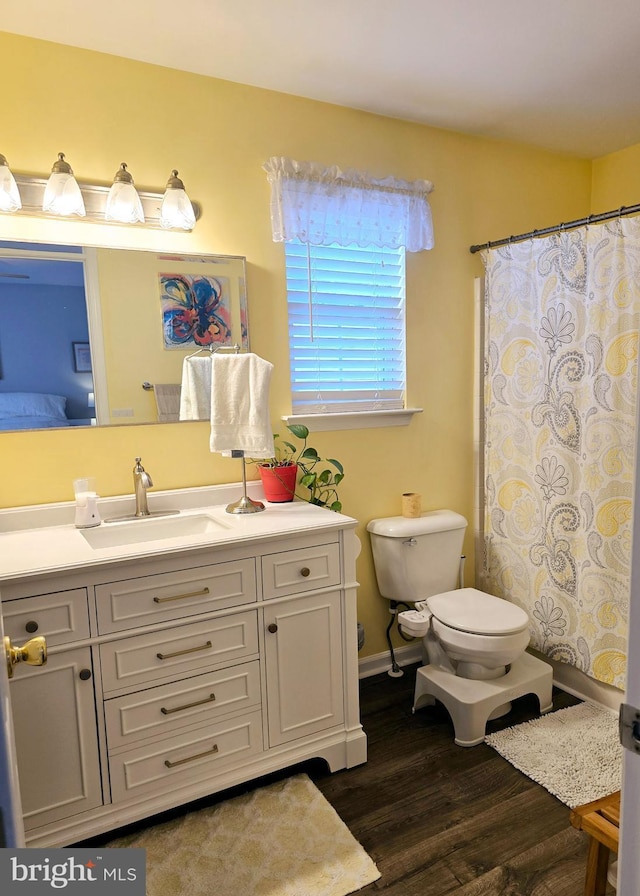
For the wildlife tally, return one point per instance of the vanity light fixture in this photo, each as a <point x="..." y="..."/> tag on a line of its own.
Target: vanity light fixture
<point x="9" y="194"/>
<point x="123" y="202"/>
<point x="120" y="203"/>
<point x="177" y="209"/>
<point x="62" y="194"/>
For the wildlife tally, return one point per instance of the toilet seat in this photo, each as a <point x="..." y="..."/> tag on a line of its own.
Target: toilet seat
<point x="476" y="612"/>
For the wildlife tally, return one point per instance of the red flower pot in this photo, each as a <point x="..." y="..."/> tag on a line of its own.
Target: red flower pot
<point x="279" y="483"/>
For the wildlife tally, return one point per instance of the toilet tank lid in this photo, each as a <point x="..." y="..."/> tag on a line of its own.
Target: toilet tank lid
<point x="470" y="610"/>
<point x="409" y="527"/>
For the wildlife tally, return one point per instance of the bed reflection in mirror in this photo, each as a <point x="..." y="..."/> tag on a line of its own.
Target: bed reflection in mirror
<point x="83" y="328"/>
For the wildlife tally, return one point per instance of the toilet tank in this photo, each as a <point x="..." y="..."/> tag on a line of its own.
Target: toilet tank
<point x="415" y="558"/>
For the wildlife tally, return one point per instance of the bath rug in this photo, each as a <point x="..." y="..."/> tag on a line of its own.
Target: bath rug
<point x="280" y="840"/>
<point x="574" y="753"/>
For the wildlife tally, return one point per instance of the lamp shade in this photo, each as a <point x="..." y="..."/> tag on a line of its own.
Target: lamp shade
<point x="62" y="194"/>
<point x="123" y="202"/>
<point x="9" y="195"/>
<point x="176" y="210"/>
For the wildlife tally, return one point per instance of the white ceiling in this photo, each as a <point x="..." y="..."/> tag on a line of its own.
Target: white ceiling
<point x="560" y="74"/>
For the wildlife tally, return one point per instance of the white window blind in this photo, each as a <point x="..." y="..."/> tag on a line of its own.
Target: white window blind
<point x="346" y="327"/>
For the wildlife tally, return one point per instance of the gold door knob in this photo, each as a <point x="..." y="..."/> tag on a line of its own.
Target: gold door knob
<point x="34" y="653"/>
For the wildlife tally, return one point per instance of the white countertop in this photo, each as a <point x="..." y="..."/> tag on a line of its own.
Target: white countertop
<point x="43" y="539"/>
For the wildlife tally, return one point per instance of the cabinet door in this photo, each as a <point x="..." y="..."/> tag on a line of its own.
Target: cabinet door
<point x="57" y="745"/>
<point x="303" y="648"/>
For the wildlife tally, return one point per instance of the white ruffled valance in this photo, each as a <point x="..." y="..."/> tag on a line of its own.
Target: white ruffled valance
<point x="321" y="206"/>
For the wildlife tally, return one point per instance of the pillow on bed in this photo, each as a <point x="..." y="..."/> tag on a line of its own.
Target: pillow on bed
<point x="32" y="404"/>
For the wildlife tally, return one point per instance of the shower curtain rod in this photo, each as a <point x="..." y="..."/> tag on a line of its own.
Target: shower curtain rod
<point x="580" y="222"/>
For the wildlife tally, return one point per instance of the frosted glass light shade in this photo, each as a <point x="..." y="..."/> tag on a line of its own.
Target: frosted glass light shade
<point x="62" y="194"/>
<point x="176" y="211"/>
<point x="9" y="194"/>
<point x="123" y="202"/>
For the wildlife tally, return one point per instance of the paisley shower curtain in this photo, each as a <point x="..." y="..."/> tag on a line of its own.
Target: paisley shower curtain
<point x="561" y="329"/>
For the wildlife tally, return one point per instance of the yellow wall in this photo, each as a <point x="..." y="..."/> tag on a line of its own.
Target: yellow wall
<point x="616" y="180"/>
<point x="102" y="110"/>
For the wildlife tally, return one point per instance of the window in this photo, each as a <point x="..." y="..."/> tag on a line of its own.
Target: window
<point x="346" y="327"/>
<point x="345" y="236"/>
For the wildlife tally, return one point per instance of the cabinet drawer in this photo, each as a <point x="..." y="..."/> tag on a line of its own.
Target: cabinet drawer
<point x="303" y="570"/>
<point x="62" y="617"/>
<point x="174" y="595"/>
<point x="192" y="755"/>
<point x="160" y="711"/>
<point x="174" y="652"/>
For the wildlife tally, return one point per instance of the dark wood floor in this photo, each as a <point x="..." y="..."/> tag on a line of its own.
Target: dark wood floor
<point x="436" y="818"/>
<point x="440" y="819"/>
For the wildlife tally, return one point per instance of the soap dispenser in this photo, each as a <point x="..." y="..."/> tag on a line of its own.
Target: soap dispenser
<point x="87" y="513"/>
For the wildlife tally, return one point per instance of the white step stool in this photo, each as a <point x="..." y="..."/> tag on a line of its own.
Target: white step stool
<point x="470" y="702"/>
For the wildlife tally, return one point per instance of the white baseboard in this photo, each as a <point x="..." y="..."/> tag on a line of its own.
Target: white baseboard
<point x="575" y="682"/>
<point x="381" y="662"/>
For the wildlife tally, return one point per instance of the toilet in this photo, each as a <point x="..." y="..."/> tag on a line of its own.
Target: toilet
<point x="475" y="643"/>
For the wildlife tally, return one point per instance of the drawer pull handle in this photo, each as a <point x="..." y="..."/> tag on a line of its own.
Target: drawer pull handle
<point x="169" y="764"/>
<point x="31" y="626"/>
<point x="169" y="656"/>
<point x="305" y="571"/>
<point x="164" y="600"/>
<point x="273" y="628"/>
<point x="167" y="712"/>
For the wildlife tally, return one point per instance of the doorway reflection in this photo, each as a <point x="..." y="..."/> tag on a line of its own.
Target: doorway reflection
<point x="46" y="377"/>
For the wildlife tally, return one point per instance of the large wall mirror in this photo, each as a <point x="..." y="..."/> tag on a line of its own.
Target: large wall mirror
<point x="98" y="336"/>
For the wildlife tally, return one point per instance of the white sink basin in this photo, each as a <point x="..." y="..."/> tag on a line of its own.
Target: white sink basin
<point x="122" y="534"/>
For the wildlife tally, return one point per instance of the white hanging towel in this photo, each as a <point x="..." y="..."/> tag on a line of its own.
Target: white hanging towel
<point x="167" y="397"/>
<point x="240" y="417"/>
<point x="195" y="393"/>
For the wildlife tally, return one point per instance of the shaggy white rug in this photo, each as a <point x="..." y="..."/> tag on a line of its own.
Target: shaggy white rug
<point x="280" y="840"/>
<point x="575" y="753"/>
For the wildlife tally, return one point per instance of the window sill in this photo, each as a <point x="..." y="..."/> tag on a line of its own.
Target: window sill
<point x="358" y="420"/>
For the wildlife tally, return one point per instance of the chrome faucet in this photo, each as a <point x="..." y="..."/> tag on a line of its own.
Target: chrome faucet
<point x="141" y="482"/>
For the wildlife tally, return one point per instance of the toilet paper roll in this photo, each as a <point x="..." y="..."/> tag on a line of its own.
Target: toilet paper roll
<point x="411" y="504"/>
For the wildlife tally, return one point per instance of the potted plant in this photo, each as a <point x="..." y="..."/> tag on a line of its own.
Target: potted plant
<point x="320" y="477"/>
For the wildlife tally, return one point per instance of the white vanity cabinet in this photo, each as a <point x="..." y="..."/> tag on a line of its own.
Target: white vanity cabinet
<point x="54" y="709"/>
<point x="177" y="675"/>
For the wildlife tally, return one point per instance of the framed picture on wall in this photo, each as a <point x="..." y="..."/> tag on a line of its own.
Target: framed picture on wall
<point x="81" y="357"/>
<point x="203" y="301"/>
